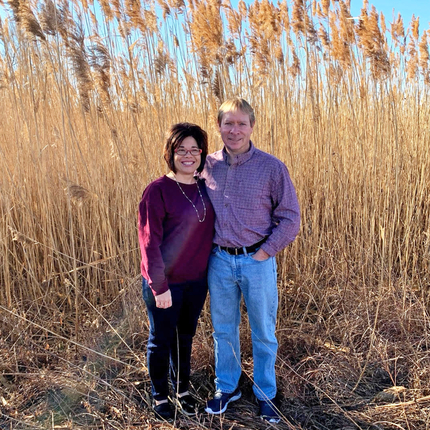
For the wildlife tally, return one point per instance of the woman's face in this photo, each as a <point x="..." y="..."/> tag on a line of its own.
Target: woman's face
<point x="187" y="164"/>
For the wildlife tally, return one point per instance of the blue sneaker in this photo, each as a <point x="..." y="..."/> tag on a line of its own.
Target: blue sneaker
<point x="218" y="405"/>
<point x="269" y="411"/>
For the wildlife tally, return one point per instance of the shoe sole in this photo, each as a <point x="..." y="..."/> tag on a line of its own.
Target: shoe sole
<point x="221" y="411"/>
<point x="180" y="409"/>
<point x="270" y="420"/>
<point x="166" y="419"/>
<point x="183" y="411"/>
<point x="160" y="419"/>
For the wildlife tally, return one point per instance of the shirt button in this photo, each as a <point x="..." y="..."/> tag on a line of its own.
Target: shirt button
<point x="226" y="204"/>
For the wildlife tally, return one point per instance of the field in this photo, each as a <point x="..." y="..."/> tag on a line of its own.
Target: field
<point x="87" y="91"/>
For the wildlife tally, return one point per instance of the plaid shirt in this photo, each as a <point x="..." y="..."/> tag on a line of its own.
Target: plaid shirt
<point x="253" y="197"/>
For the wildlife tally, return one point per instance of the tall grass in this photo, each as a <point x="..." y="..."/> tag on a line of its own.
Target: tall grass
<point x="87" y="91"/>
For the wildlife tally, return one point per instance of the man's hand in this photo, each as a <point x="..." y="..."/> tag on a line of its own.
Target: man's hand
<point x="261" y="255"/>
<point x="164" y="300"/>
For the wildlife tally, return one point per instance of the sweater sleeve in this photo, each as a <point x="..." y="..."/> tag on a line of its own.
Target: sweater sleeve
<point x="151" y="215"/>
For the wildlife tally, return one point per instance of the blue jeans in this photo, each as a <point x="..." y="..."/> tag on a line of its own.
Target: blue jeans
<point x="171" y="336"/>
<point x="229" y="278"/>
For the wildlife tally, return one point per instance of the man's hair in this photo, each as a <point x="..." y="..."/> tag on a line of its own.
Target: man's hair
<point x="235" y="104"/>
<point x="176" y="135"/>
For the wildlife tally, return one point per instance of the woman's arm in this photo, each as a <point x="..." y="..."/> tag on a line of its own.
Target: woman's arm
<point x="151" y="216"/>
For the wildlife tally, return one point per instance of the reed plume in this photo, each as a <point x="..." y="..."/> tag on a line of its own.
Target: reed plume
<point x="373" y="43"/>
<point x="87" y="91"/>
<point x="234" y="21"/>
<point x="325" y="7"/>
<point x="415" y="27"/>
<point x="324" y="38"/>
<point x="77" y="193"/>
<point x="100" y="62"/>
<point x="49" y="18"/>
<point x="294" y="68"/>
<point x="266" y="25"/>
<point x="398" y="33"/>
<point x="298" y="14"/>
<point x="28" y="21"/>
<point x="133" y="9"/>
<point x="218" y="87"/>
<point x="424" y="56"/>
<point x="311" y="32"/>
<point x="413" y="61"/>
<point x="178" y="5"/>
<point x="78" y="57"/>
<point x="161" y="60"/>
<point x="165" y="8"/>
<point x="207" y="34"/>
<point x="107" y="10"/>
<point x="21" y="238"/>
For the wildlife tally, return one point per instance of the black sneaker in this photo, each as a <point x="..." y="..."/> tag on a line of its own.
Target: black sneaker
<point x="187" y="404"/>
<point x="269" y="411"/>
<point x="163" y="411"/>
<point x="218" y="405"/>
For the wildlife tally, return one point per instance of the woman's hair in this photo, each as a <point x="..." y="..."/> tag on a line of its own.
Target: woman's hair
<point x="176" y="135"/>
<point x="236" y="104"/>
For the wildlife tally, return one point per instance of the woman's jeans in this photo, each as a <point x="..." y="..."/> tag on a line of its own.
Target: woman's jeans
<point x="230" y="277"/>
<point x="171" y="336"/>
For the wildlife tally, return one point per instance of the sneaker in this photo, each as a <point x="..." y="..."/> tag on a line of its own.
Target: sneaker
<point x="218" y="405"/>
<point x="269" y="411"/>
<point x="187" y="404"/>
<point x="163" y="411"/>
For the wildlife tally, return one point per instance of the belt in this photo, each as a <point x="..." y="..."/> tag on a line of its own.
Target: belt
<point x="241" y="250"/>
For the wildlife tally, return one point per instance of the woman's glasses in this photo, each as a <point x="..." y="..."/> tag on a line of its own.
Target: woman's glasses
<point x="182" y="151"/>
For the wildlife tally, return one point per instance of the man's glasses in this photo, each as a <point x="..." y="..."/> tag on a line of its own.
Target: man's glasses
<point x="182" y="151"/>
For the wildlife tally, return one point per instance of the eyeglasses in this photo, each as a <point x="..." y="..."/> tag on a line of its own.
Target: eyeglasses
<point x="182" y="151"/>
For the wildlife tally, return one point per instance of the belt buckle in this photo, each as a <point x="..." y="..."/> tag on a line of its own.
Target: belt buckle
<point x="235" y="251"/>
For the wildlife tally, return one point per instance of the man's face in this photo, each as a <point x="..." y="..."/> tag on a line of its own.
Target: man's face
<point x="236" y="130"/>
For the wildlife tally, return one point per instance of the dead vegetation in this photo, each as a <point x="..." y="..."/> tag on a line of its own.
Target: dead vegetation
<point x="86" y="93"/>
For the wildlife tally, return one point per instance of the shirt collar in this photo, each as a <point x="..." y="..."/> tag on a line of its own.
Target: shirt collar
<point x="240" y="158"/>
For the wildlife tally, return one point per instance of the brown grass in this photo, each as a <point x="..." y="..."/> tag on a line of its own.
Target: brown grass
<point x="86" y="94"/>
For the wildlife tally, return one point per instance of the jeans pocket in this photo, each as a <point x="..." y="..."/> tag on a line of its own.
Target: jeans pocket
<point x="257" y="261"/>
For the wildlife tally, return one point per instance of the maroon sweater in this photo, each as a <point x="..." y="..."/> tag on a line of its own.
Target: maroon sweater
<point x="175" y="246"/>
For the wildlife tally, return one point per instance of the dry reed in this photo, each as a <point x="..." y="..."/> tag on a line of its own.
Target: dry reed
<point x="87" y="91"/>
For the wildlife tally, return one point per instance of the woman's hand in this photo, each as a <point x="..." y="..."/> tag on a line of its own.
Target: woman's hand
<point x="164" y="300"/>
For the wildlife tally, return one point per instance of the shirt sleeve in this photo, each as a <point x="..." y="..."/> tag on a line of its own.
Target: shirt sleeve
<point x="285" y="214"/>
<point x="151" y="215"/>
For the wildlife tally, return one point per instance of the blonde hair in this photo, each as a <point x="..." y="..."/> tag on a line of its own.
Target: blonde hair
<point x="235" y="104"/>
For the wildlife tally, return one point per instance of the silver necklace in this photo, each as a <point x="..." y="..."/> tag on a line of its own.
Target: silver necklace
<point x="194" y="206"/>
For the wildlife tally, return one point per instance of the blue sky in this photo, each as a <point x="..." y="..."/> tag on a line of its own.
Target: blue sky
<point x="406" y="8"/>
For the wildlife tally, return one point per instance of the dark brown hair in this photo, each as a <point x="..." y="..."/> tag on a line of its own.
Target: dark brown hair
<point x="176" y="135"/>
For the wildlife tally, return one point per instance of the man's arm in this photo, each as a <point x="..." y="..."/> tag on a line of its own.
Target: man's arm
<point x="285" y="214"/>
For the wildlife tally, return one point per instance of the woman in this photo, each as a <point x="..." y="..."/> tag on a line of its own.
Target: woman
<point x="176" y="225"/>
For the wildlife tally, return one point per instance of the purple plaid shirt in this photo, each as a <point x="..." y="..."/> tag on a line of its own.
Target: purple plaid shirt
<point x="253" y="198"/>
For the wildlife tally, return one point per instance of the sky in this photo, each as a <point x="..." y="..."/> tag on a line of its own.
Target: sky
<point x="406" y="8"/>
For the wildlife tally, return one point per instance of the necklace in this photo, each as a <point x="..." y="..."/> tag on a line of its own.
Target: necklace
<point x="194" y="206"/>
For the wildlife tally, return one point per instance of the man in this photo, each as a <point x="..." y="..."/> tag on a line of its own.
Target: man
<point x="257" y="215"/>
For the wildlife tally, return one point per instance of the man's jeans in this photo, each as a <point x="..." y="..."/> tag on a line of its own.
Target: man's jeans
<point x="171" y="336"/>
<point x="229" y="277"/>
